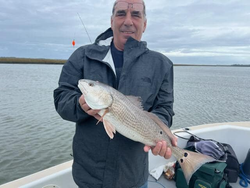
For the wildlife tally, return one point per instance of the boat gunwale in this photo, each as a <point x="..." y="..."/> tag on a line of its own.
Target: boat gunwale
<point x="66" y="165"/>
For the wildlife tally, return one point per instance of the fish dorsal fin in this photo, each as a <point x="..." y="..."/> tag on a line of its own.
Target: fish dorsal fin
<point x="157" y="120"/>
<point x="137" y="101"/>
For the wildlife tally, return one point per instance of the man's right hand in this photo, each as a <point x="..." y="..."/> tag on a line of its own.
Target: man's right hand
<point x="87" y="109"/>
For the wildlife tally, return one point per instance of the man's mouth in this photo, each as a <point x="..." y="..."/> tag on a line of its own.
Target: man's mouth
<point x="127" y="32"/>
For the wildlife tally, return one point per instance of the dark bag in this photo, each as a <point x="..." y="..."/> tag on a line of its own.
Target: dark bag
<point x="233" y="167"/>
<point x="220" y="151"/>
<point x="210" y="175"/>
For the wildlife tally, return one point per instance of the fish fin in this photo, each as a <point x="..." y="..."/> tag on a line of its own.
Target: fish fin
<point x="190" y="161"/>
<point x="105" y="112"/>
<point x="137" y="101"/>
<point x="162" y="125"/>
<point x="109" y="128"/>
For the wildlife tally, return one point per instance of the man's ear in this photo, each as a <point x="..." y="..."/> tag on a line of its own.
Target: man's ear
<point x="111" y="22"/>
<point x="145" y="25"/>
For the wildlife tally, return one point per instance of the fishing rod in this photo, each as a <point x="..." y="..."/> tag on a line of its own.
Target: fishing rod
<point x="84" y="27"/>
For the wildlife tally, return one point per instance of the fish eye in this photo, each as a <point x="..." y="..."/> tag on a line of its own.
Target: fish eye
<point x="91" y="84"/>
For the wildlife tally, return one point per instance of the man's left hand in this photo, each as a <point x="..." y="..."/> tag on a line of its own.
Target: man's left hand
<point x="162" y="149"/>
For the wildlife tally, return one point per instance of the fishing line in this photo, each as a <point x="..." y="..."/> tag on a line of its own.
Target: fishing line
<point x="184" y="131"/>
<point x="84" y="27"/>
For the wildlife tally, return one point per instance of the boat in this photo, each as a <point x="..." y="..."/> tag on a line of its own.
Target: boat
<point x="237" y="134"/>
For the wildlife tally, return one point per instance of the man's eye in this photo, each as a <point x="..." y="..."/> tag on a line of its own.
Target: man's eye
<point x="136" y="14"/>
<point x="121" y="13"/>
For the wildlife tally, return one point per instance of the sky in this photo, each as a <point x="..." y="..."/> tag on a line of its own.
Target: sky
<point x="187" y="31"/>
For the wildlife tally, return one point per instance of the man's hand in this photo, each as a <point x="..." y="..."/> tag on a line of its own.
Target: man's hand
<point x="161" y="148"/>
<point x="87" y="109"/>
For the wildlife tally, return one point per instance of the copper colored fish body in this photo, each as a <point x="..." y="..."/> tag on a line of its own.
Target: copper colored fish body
<point x="125" y="115"/>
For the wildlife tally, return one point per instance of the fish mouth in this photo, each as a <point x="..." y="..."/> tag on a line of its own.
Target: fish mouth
<point x="82" y="87"/>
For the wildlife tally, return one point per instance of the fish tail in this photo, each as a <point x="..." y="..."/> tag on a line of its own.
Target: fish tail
<point x="190" y="161"/>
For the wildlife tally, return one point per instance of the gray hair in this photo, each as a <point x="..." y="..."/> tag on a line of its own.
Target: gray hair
<point x="144" y="8"/>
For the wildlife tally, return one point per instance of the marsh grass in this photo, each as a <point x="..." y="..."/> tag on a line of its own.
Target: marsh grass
<point x="13" y="60"/>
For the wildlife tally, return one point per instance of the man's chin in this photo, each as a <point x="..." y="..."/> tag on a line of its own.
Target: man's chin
<point x="126" y="35"/>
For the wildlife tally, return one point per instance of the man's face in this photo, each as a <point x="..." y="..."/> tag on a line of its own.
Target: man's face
<point x="128" y="20"/>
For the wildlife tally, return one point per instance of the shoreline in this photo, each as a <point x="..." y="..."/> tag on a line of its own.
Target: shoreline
<point x="13" y="60"/>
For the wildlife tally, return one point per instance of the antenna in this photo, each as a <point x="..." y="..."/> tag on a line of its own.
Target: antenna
<point x="84" y="27"/>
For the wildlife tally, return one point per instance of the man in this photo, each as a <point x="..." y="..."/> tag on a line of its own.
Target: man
<point x="117" y="58"/>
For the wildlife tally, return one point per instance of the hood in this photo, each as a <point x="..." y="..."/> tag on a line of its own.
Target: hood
<point x="105" y="38"/>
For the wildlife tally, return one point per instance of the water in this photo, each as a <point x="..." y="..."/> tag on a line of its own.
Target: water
<point x="211" y="95"/>
<point x="33" y="136"/>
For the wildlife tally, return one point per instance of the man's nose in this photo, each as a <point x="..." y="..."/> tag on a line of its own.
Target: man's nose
<point x="128" y="20"/>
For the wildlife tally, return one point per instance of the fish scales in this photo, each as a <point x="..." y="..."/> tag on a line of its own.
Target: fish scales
<point x="133" y="122"/>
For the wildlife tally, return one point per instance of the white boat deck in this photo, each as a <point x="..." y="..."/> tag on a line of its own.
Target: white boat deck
<point x="236" y="134"/>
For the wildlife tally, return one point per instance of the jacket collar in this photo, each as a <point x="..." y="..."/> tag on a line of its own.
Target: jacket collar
<point x="100" y="50"/>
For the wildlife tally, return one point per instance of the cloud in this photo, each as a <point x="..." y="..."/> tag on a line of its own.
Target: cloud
<point x="202" y="29"/>
<point x="198" y="29"/>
